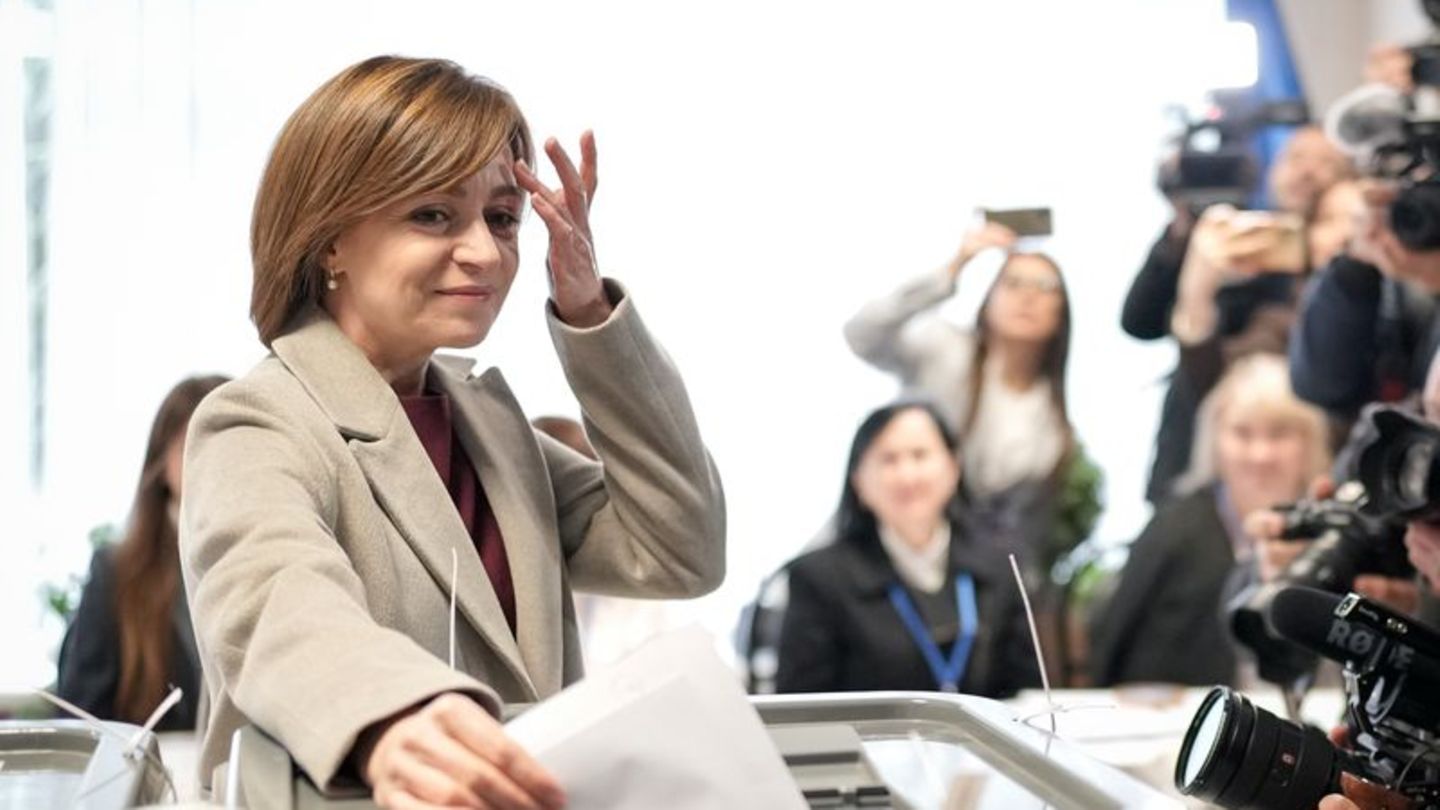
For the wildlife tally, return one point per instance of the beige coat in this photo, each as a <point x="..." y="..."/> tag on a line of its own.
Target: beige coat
<point x="316" y="535"/>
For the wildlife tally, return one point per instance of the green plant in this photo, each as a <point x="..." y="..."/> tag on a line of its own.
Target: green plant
<point x="1079" y="501"/>
<point x="63" y="598"/>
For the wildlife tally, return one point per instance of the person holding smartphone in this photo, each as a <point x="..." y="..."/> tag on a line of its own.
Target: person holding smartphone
<point x="1000" y="385"/>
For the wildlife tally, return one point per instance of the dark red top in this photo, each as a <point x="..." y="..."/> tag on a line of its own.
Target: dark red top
<point x="430" y="416"/>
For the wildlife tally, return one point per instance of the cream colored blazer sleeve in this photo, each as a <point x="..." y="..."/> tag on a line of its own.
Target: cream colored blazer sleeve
<point x="649" y="520"/>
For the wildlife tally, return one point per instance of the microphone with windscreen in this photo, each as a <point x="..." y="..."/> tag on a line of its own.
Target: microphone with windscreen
<point x="1396" y="655"/>
<point x="1368" y="119"/>
<point x="1351" y="628"/>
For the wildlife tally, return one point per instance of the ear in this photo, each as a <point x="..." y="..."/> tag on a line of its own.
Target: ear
<point x="330" y="257"/>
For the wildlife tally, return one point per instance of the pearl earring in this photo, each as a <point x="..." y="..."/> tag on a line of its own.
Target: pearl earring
<point x="332" y="283"/>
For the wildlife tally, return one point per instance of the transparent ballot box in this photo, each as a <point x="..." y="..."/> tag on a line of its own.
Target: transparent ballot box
<point x="860" y="750"/>
<point x="67" y="765"/>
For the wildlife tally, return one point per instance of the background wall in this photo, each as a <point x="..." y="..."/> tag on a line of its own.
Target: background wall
<point x="1330" y="38"/>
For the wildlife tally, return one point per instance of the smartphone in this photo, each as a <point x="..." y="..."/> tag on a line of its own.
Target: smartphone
<point x="1023" y="221"/>
<point x="1280" y="239"/>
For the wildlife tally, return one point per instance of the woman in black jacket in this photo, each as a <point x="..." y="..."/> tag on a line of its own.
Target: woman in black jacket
<point x="903" y="599"/>
<point x="1257" y="446"/>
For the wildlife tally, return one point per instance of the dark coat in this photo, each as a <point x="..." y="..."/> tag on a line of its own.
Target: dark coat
<point x="842" y="634"/>
<point x="1361" y="338"/>
<point x="89" y="666"/>
<point x="1164" y="622"/>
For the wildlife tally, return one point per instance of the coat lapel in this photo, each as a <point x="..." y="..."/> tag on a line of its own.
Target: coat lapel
<point x="501" y="445"/>
<point x="401" y="476"/>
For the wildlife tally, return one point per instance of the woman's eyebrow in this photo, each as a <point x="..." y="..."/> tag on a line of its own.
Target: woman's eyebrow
<point x="503" y="190"/>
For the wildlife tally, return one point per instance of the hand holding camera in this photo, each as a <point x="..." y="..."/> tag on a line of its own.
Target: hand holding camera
<point x="1422" y="542"/>
<point x="1376" y="243"/>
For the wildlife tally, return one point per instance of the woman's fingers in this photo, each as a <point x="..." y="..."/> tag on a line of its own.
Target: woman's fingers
<point x="451" y="753"/>
<point x="446" y="754"/>
<point x="402" y="800"/>
<point x="429" y="784"/>
<point x="555" y="218"/>
<point x="571" y="186"/>
<point x="527" y="179"/>
<point x="479" y="732"/>
<point x="589" y="167"/>
<point x="575" y="286"/>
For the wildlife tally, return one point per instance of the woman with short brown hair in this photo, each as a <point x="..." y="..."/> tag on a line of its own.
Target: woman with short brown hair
<point x="331" y="490"/>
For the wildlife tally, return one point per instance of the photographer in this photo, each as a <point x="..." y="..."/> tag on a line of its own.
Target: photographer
<point x="1234" y="290"/>
<point x="1367" y="326"/>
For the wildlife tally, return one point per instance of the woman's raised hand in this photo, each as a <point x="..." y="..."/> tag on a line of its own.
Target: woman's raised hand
<point x="981" y="237"/>
<point x="575" y="284"/>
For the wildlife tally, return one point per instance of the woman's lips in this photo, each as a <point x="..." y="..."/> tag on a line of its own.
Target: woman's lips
<point x="469" y="291"/>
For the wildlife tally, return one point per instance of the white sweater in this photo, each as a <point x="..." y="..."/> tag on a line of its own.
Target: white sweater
<point x="1017" y="435"/>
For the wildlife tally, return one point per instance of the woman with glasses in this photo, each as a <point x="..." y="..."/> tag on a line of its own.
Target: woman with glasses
<point x="999" y="384"/>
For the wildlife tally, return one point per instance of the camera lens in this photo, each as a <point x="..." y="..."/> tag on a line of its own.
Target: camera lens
<point x="1201" y="742"/>
<point x="1413" y="477"/>
<point x="1415" y="217"/>
<point x="1237" y="755"/>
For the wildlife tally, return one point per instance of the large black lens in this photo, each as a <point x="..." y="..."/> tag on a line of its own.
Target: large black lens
<point x="1413" y="477"/>
<point x="1237" y="755"/>
<point x="1400" y="466"/>
<point x="1415" y="217"/>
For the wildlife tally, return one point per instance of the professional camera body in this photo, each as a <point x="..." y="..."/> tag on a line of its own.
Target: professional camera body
<point x="1214" y="162"/>
<point x="1347" y="542"/>
<point x="1236" y="754"/>
<point x="1361" y="530"/>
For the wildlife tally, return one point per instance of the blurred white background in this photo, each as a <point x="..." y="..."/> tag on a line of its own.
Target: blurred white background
<point x="766" y="168"/>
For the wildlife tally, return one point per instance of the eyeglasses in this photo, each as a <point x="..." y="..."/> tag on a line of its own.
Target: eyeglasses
<point x="1044" y="283"/>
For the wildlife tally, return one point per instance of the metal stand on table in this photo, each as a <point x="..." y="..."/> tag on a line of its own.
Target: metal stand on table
<point x="67" y="765"/>
<point x="864" y="750"/>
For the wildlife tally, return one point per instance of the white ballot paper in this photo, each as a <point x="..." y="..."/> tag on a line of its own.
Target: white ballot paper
<point x="668" y="726"/>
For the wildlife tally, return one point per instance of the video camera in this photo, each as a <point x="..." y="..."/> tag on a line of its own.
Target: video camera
<point x="1396" y="136"/>
<point x="1214" y="163"/>
<point x="1236" y="754"/>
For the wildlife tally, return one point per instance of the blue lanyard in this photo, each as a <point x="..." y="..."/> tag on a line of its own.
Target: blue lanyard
<point x="947" y="673"/>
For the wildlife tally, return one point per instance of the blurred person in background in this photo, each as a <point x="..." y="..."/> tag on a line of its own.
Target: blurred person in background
<point x="130" y="641"/>
<point x="1000" y="386"/>
<point x="1367" y="326"/>
<point x="905" y="598"/>
<point x="1223" y="280"/>
<point x="1256" y="446"/>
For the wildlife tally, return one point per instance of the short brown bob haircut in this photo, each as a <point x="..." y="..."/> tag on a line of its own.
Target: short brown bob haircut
<point x="382" y="130"/>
